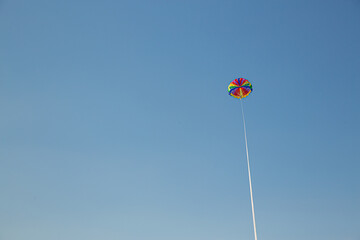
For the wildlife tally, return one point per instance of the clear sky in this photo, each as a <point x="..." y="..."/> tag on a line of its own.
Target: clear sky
<point x="116" y="122"/>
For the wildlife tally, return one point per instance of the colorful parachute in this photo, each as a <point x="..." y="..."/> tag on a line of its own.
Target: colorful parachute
<point x="240" y="88"/>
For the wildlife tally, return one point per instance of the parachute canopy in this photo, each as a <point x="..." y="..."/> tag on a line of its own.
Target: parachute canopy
<point x="240" y="88"/>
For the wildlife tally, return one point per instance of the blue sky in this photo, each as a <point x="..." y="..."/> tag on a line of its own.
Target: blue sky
<point x="116" y="122"/>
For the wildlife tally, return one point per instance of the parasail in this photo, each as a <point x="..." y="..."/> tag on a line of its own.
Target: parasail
<point x="240" y="88"/>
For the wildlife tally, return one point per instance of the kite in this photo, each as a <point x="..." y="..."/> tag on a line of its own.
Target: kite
<point x="241" y="88"/>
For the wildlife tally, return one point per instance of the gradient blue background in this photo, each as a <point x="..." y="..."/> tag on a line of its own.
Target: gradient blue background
<point x="116" y="122"/>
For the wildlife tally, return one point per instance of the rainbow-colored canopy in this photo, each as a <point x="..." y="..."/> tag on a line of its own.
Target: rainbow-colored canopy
<point x="240" y="88"/>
